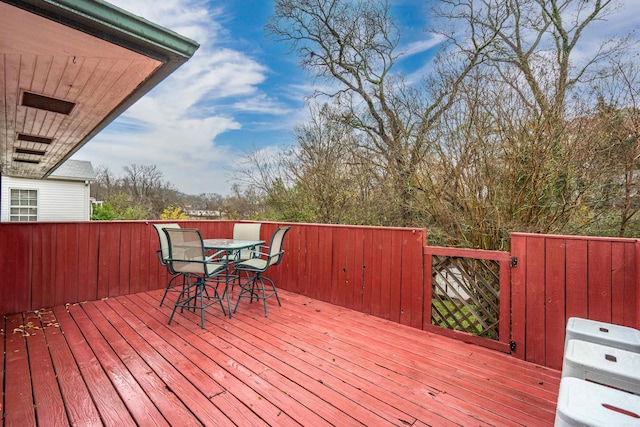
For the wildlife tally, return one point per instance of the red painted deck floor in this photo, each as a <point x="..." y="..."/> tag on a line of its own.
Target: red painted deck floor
<point x="117" y="362"/>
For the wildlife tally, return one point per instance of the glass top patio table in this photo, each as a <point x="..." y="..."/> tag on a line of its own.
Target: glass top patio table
<point x="230" y="248"/>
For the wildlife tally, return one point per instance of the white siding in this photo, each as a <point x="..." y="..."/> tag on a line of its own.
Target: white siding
<point x="57" y="200"/>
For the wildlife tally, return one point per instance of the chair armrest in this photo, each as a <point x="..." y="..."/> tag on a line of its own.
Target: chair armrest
<point x="162" y="260"/>
<point x="263" y="252"/>
<point x="216" y="255"/>
<point x="256" y="251"/>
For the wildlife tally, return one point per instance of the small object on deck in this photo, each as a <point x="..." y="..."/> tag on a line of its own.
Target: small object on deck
<point x="583" y="403"/>
<point x="603" y="365"/>
<point x="616" y="336"/>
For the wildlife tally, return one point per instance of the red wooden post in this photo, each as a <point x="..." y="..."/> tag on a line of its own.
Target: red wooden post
<point x="395" y="281"/>
<point x="518" y="295"/>
<point x="427" y="262"/>
<point x="16" y="247"/>
<point x="576" y="278"/>
<point x="555" y="320"/>
<point x="324" y="267"/>
<point x="535" y="300"/>
<point x="383" y="288"/>
<point x="504" y="330"/>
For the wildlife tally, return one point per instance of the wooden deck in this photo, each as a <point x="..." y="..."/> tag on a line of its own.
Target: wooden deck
<point x="117" y="362"/>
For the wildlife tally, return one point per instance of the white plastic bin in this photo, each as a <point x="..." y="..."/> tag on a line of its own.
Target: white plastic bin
<point x="602" y="364"/>
<point x="603" y="333"/>
<point x="581" y="403"/>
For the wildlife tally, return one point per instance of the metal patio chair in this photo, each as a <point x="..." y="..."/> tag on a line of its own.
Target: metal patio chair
<point x="254" y="286"/>
<point x="247" y="231"/>
<point x="187" y="256"/>
<point x="244" y="231"/>
<point x="163" y="256"/>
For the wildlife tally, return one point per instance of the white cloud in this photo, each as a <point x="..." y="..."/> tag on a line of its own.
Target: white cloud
<point x="263" y="104"/>
<point x="175" y="126"/>
<point x="422" y="46"/>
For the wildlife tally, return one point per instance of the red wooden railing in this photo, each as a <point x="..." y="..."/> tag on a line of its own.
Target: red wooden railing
<point x="377" y="270"/>
<point x="371" y="269"/>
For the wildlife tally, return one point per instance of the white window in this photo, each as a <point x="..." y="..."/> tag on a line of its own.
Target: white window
<point x="24" y="205"/>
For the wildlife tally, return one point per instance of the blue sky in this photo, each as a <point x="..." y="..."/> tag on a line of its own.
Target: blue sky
<point x="239" y="93"/>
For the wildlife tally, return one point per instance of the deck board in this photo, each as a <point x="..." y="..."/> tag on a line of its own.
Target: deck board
<point x="141" y="340"/>
<point x="46" y="393"/>
<point x="117" y="362"/>
<point x="267" y="360"/>
<point x="160" y="397"/>
<point x="18" y="406"/>
<point x="77" y="400"/>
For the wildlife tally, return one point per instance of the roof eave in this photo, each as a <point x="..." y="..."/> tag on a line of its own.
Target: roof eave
<point x="115" y="25"/>
<point x="120" y="27"/>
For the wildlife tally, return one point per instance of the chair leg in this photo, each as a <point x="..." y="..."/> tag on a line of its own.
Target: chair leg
<point x="166" y="289"/>
<point x="264" y="293"/>
<point x="169" y="286"/>
<point x="179" y="302"/>
<point x="196" y="296"/>
<point x="216" y="296"/>
<point x="255" y="287"/>
<point x="202" y="291"/>
<point x="275" y="291"/>
<point x="243" y="289"/>
<point x="264" y="297"/>
<point x="253" y="292"/>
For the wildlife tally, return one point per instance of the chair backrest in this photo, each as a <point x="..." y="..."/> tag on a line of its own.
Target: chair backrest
<point x="247" y="231"/>
<point x="162" y="237"/>
<point x="186" y="250"/>
<point x="275" y="247"/>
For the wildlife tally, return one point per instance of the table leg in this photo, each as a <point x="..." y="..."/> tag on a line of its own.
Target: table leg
<point x="226" y="287"/>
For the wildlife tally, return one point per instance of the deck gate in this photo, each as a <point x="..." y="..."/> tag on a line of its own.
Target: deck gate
<point x="471" y="295"/>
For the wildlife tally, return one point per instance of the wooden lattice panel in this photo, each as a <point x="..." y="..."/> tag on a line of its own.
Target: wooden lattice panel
<point x="466" y="295"/>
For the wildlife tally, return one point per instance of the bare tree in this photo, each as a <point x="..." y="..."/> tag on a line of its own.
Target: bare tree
<point x="353" y="46"/>
<point x="513" y="152"/>
<point x="502" y="135"/>
<point x="537" y="38"/>
<point x="616" y="124"/>
<point x="488" y="176"/>
<point x="325" y="166"/>
<point x="142" y="180"/>
<point x="106" y="185"/>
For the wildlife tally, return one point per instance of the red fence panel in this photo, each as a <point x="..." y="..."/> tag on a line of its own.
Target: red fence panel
<point x="88" y="263"/>
<point x="559" y="277"/>
<point x="16" y="246"/>
<point x="372" y="269"/>
<point x="624" y="282"/>
<point x="368" y="269"/>
<point x="576" y="299"/>
<point x="43" y="265"/>
<point x="412" y="281"/>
